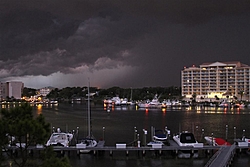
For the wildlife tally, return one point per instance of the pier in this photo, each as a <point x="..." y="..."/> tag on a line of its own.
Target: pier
<point x="222" y="157"/>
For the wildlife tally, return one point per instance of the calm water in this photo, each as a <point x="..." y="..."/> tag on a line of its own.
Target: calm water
<point x="120" y="122"/>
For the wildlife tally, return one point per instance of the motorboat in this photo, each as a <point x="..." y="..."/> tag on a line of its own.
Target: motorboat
<point x="154" y="103"/>
<point x="143" y="104"/>
<point x="166" y="103"/>
<point x="216" y="141"/>
<point x="59" y="138"/>
<point x="224" y="104"/>
<point x="87" y="143"/>
<point x="187" y="139"/>
<point x="124" y="101"/>
<point x="246" y="139"/>
<point x="161" y="135"/>
<point x="116" y="101"/>
<point x="151" y="143"/>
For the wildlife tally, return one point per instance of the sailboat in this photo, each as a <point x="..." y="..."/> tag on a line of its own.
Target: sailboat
<point x="89" y="141"/>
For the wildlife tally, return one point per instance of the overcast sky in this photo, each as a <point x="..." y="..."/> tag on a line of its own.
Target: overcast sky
<point x="129" y="43"/>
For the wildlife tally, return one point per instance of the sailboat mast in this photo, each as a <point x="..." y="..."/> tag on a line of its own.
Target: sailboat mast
<point x="131" y="95"/>
<point x="88" y="112"/>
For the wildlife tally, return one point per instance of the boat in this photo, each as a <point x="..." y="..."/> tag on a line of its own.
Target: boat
<point x="143" y="104"/>
<point x="187" y="139"/>
<point x="216" y="141"/>
<point x="116" y="101"/>
<point x="246" y="139"/>
<point x="59" y="138"/>
<point x="151" y="143"/>
<point x="161" y="135"/>
<point x="124" y="101"/>
<point x="224" y="104"/>
<point x="89" y="141"/>
<point x="166" y="103"/>
<point x="154" y="103"/>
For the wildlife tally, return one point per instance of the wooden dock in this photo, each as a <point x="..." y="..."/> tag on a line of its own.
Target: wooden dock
<point x="222" y="157"/>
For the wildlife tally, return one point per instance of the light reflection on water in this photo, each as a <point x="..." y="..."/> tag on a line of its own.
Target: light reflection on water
<point x="119" y="126"/>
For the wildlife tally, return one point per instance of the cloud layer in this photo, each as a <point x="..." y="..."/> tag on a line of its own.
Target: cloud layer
<point x="147" y="42"/>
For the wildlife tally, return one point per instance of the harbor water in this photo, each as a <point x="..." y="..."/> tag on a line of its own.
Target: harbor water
<point x="118" y="125"/>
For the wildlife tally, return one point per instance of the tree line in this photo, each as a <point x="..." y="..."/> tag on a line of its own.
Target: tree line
<point x="136" y="94"/>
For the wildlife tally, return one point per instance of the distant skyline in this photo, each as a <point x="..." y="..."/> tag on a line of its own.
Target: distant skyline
<point x="140" y="43"/>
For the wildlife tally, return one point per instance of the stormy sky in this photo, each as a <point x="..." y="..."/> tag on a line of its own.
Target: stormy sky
<point x="125" y="43"/>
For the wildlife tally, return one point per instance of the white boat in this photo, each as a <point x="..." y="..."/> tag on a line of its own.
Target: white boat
<point x="124" y="101"/>
<point x="186" y="139"/>
<point x="166" y="103"/>
<point x="89" y="141"/>
<point x="116" y="101"/>
<point x="155" y="142"/>
<point x="246" y="139"/>
<point x="143" y="104"/>
<point x="154" y="103"/>
<point x="59" y="139"/>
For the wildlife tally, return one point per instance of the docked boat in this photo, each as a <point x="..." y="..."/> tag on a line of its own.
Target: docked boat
<point x="187" y="139"/>
<point x="59" y="139"/>
<point x="143" y="104"/>
<point x="216" y="141"/>
<point x="154" y="103"/>
<point x="161" y="135"/>
<point x="89" y="141"/>
<point x="246" y="139"/>
<point x="166" y="103"/>
<point x="124" y="101"/>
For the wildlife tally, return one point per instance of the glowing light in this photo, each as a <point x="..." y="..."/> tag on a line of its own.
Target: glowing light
<point x="39" y="109"/>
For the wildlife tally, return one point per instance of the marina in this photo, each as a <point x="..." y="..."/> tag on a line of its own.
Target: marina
<point x="116" y="135"/>
<point x="223" y="155"/>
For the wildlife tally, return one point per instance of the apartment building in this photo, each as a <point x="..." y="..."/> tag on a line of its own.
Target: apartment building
<point x="45" y="91"/>
<point x="11" y="89"/>
<point x="229" y="80"/>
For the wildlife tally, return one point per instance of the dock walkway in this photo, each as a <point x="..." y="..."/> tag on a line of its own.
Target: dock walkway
<point x="222" y="157"/>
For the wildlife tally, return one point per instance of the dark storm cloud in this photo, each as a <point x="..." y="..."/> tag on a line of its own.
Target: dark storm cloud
<point x="44" y="37"/>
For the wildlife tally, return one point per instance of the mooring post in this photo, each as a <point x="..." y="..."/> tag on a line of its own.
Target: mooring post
<point x="103" y="133"/>
<point x="135" y="135"/>
<point x="202" y="134"/>
<point x="77" y="131"/>
<point x="145" y="137"/>
<point x="138" y="140"/>
<point x="243" y="135"/>
<point x="197" y="132"/>
<point x="234" y="133"/>
<point x="212" y="135"/>
<point x="226" y="131"/>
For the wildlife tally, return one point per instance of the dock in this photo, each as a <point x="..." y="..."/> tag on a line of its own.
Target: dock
<point x="222" y="157"/>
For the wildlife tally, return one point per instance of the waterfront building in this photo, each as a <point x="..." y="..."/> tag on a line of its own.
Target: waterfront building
<point x="45" y="91"/>
<point x="217" y="80"/>
<point x="12" y="89"/>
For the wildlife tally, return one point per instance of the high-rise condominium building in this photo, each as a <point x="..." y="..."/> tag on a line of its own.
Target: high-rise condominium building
<point x="217" y="80"/>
